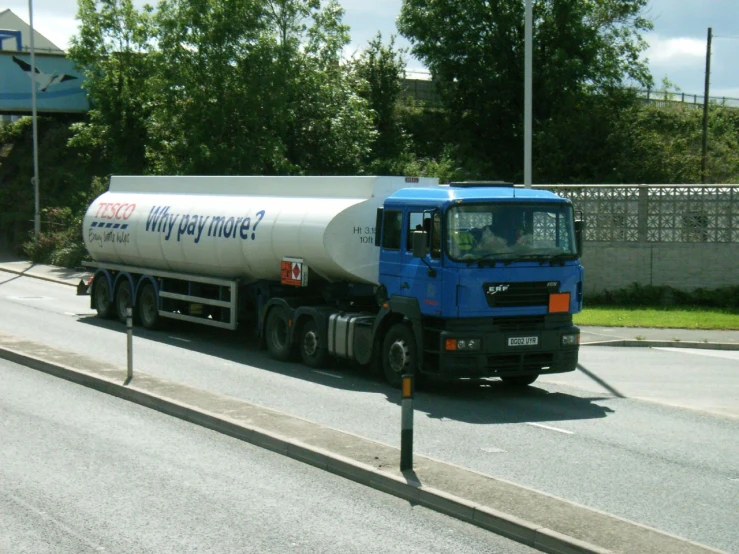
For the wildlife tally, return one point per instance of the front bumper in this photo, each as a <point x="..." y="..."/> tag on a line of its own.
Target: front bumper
<point x="497" y="359"/>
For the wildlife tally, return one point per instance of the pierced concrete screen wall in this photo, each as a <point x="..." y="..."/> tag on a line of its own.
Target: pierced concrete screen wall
<point x="682" y="236"/>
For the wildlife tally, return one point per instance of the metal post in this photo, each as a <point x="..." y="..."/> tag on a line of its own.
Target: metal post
<point x="704" y="156"/>
<point x="406" y="425"/>
<point x="129" y="332"/>
<point x="37" y="216"/>
<point x="527" y="94"/>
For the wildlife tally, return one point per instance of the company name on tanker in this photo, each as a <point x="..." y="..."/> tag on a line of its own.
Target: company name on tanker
<point x="162" y="220"/>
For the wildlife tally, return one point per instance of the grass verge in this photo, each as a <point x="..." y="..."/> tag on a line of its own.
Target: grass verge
<point x="665" y="317"/>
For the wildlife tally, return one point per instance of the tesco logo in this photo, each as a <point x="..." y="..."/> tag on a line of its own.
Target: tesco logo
<point x="107" y="210"/>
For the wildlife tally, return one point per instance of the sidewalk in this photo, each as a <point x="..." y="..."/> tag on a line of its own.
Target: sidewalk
<point x="590" y="336"/>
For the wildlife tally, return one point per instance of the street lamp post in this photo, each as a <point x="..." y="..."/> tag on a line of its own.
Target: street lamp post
<point x="527" y="110"/>
<point x="34" y="180"/>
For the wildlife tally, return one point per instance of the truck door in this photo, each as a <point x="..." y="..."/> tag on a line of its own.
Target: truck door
<point x="391" y="253"/>
<point x="423" y="276"/>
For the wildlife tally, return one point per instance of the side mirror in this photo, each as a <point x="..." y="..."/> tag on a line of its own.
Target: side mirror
<point x="420" y="244"/>
<point x="579" y="232"/>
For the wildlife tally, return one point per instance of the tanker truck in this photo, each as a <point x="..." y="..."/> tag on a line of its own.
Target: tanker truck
<point x="397" y="274"/>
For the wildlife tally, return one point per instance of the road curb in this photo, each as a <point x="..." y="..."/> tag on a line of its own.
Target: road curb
<point x="409" y="488"/>
<point x="664" y="344"/>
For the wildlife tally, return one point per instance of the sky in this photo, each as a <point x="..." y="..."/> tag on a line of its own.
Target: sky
<point x="677" y="44"/>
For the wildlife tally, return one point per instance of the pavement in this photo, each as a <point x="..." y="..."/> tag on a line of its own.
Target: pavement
<point x="540" y="520"/>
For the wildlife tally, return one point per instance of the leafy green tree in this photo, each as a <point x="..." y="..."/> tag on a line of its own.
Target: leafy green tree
<point x="475" y="52"/>
<point x="380" y="71"/>
<point x="110" y="50"/>
<point x="254" y="87"/>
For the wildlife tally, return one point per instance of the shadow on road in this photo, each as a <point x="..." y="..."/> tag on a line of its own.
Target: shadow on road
<point x="478" y="401"/>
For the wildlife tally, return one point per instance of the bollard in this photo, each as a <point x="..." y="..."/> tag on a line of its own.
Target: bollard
<point x="129" y="332"/>
<point x="406" y="425"/>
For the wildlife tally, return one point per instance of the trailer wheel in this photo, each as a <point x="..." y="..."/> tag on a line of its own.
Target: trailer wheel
<point x="148" y="307"/>
<point x="101" y="297"/>
<point x="277" y="334"/>
<point x="399" y="354"/>
<point x="519" y="380"/>
<point x="123" y="299"/>
<point x="313" y="353"/>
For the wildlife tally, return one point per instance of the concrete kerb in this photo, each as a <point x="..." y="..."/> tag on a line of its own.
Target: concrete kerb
<point x="665" y="344"/>
<point x="408" y="489"/>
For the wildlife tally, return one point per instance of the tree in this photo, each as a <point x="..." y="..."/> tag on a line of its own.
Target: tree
<point x="475" y="52"/>
<point x="110" y="50"/>
<point x="379" y="71"/>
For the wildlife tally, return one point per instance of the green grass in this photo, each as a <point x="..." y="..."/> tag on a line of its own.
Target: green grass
<point x="667" y="317"/>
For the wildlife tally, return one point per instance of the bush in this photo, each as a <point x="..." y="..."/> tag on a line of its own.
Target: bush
<point x="61" y="244"/>
<point x="659" y="296"/>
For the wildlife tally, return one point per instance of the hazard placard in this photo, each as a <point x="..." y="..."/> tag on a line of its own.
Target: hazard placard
<point x="293" y="272"/>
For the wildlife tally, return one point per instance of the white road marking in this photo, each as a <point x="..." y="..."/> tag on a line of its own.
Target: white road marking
<point x="328" y="374"/>
<point x="66" y="528"/>
<point x="179" y="339"/>
<point x="727" y="354"/>
<point x="551" y="428"/>
<point x="493" y="450"/>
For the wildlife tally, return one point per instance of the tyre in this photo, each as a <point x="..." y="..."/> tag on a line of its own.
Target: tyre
<point x="101" y="297"/>
<point x="148" y="307"/>
<point x="519" y="380"/>
<point x="312" y="350"/>
<point x="399" y="355"/>
<point x="277" y="334"/>
<point x="123" y="299"/>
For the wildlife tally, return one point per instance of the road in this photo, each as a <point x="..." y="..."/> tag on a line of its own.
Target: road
<point x="129" y="479"/>
<point x="670" y="468"/>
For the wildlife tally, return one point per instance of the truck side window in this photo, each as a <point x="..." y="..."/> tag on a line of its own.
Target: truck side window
<point x="415" y="223"/>
<point x="391" y="229"/>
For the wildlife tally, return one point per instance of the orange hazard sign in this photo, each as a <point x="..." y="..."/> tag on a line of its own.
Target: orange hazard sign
<point x="292" y="273"/>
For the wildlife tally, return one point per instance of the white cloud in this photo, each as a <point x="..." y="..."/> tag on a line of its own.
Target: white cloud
<point x="675" y="51"/>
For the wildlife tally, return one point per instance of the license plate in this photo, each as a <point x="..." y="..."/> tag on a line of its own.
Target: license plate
<point x="523" y="341"/>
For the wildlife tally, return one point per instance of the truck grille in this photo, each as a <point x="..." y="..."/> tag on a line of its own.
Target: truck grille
<point x="514" y="295"/>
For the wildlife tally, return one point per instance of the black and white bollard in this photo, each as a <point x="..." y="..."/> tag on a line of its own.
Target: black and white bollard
<point x="406" y="425"/>
<point x="129" y="332"/>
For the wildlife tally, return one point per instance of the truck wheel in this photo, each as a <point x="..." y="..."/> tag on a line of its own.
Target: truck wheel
<point x="101" y="297"/>
<point x="399" y="354"/>
<point x="277" y="333"/>
<point x="123" y="299"/>
<point x="313" y="353"/>
<point x="519" y="380"/>
<point x="148" y="307"/>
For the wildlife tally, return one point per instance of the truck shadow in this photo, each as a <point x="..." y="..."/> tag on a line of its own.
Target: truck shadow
<point x="484" y="401"/>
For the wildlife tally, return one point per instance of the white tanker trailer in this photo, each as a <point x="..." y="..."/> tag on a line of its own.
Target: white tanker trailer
<point x="396" y="273"/>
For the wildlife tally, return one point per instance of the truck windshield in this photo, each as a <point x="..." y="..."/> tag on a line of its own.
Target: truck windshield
<point x="510" y="232"/>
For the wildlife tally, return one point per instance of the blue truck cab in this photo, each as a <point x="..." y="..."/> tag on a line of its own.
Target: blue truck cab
<point x="488" y="275"/>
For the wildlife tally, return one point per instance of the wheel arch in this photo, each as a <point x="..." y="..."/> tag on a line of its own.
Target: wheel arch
<point x="396" y="310"/>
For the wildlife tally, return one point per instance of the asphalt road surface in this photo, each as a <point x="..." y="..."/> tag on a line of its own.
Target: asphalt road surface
<point x="83" y="472"/>
<point x="587" y="438"/>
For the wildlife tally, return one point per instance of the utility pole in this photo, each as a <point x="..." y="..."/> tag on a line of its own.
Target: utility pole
<point x="36" y="216"/>
<point x="527" y="94"/>
<point x="704" y="156"/>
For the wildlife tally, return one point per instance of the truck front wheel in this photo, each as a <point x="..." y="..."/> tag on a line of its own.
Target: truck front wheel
<point x="277" y="334"/>
<point x="101" y="297"/>
<point x="399" y="354"/>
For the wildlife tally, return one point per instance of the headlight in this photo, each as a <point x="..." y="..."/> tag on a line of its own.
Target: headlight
<point x="462" y="344"/>
<point x="571" y="340"/>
